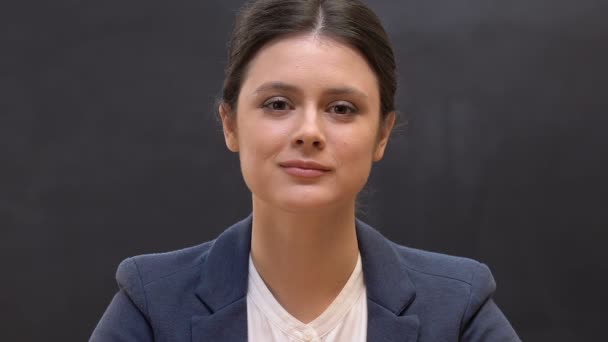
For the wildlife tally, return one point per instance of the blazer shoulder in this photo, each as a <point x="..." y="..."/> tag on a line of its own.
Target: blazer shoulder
<point x="440" y="265"/>
<point x="465" y="285"/>
<point x="134" y="273"/>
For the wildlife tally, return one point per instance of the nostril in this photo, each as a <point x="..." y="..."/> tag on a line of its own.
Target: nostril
<point x="316" y="143"/>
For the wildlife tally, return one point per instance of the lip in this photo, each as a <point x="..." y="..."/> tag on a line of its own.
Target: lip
<point x="305" y="164"/>
<point x="304" y="168"/>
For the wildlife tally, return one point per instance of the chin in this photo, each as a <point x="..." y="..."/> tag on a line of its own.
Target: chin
<point x="302" y="207"/>
<point x="303" y="198"/>
<point x="305" y="203"/>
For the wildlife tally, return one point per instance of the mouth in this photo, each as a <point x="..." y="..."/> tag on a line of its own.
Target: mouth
<point x="304" y="169"/>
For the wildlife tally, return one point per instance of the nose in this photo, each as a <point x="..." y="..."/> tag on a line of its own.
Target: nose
<point x="309" y="130"/>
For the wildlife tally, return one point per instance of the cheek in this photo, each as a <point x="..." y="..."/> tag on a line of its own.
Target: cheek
<point x="354" y="148"/>
<point x="260" y="141"/>
<point x="354" y="155"/>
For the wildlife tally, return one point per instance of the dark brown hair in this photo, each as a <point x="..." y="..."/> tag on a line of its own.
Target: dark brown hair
<point x="349" y="21"/>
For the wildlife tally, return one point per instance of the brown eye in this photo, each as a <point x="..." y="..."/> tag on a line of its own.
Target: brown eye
<point x="343" y="109"/>
<point x="276" y="104"/>
<point x="279" y="105"/>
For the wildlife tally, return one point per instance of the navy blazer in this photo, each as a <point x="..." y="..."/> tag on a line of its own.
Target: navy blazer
<point x="199" y="294"/>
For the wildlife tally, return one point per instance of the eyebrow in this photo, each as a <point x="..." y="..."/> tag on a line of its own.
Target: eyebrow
<point x="292" y="88"/>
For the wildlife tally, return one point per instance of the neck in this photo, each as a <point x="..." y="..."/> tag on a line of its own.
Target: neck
<point x="305" y="258"/>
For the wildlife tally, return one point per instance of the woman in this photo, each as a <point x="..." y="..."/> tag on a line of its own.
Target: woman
<point x="308" y="104"/>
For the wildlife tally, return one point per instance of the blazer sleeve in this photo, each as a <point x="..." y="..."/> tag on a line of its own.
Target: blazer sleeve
<point x="483" y="320"/>
<point x="126" y="318"/>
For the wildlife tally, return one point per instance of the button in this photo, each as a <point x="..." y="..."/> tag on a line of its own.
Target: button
<point x="307" y="336"/>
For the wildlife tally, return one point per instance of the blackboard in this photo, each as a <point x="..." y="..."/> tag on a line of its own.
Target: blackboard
<point x="110" y="148"/>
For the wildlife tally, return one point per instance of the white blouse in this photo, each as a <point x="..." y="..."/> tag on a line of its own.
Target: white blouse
<point x="345" y="319"/>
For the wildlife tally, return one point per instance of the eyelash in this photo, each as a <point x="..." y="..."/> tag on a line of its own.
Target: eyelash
<point x="350" y="108"/>
<point x="269" y="103"/>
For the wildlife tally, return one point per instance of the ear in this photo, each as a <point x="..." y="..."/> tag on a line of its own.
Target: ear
<point x="229" y="127"/>
<point x="383" y="135"/>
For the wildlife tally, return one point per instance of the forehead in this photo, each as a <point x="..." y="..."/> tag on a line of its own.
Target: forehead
<point x="313" y="63"/>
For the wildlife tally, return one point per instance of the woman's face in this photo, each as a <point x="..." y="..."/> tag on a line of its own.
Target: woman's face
<point x="307" y="126"/>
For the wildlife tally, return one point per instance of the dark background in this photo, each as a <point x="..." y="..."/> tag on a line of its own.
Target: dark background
<point x="110" y="148"/>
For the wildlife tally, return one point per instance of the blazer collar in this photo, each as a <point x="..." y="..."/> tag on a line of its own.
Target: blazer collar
<point x="224" y="278"/>
<point x="225" y="272"/>
<point x="386" y="279"/>
<point x="390" y="291"/>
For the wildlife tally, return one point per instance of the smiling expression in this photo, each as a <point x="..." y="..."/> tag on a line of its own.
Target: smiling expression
<point x="307" y="125"/>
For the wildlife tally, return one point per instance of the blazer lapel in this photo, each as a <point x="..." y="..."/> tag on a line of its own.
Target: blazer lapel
<point x="384" y="326"/>
<point x="390" y="290"/>
<point x="228" y="324"/>
<point x="223" y="287"/>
